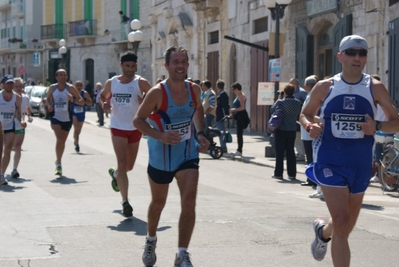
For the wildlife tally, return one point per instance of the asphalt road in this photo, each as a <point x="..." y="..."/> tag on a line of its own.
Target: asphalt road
<point x="244" y="218"/>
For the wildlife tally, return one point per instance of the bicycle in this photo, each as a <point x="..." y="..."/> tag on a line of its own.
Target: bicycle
<point x="389" y="171"/>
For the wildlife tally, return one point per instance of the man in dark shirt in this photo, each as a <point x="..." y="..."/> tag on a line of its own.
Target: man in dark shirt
<point x="222" y="109"/>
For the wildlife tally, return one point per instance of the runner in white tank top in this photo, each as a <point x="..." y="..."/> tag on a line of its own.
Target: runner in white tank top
<point x="123" y="95"/>
<point x="124" y="102"/>
<point x="59" y="96"/>
<point x="10" y="108"/>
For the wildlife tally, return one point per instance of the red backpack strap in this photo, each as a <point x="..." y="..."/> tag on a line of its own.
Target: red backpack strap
<point x="193" y="96"/>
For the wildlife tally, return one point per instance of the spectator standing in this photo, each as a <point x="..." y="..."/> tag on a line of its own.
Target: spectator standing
<point x="284" y="136"/>
<point x="208" y="102"/>
<point x="240" y="115"/>
<point x="222" y="110"/>
<point x="89" y="89"/>
<point x="299" y="94"/>
<point x="99" y="108"/>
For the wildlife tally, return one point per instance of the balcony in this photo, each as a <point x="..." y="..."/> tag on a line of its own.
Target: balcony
<point x="26" y="46"/>
<point x="83" y="30"/>
<point x="5" y="4"/>
<point x="51" y="34"/>
<point x="204" y="4"/>
<point x="18" y="8"/>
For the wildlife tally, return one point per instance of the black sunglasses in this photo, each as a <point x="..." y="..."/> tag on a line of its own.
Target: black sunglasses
<point x="352" y="52"/>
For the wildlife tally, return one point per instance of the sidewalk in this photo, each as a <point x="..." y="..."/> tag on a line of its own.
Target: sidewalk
<point x="253" y="149"/>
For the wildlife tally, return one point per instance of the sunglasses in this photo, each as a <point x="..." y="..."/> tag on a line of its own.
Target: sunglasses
<point x="352" y="52"/>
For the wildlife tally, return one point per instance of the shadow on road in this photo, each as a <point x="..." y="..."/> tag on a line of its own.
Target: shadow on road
<point x="134" y="224"/>
<point x="372" y="207"/>
<point x="66" y="180"/>
<point x="10" y="188"/>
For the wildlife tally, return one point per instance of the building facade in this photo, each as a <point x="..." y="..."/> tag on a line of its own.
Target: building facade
<point x="20" y="45"/>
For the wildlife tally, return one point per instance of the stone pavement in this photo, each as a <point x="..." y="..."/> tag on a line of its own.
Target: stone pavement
<point x="253" y="149"/>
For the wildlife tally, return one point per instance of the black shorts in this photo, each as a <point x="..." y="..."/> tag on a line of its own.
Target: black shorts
<point x="164" y="177"/>
<point x="8" y="131"/>
<point x="65" y="125"/>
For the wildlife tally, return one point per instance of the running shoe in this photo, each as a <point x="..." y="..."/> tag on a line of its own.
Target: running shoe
<point x="127" y="209"/>
<point x="114" y="184"/>
<point x="3" y="180"/>
<point x="14" y="173"/>
<point x="318" y="247"/>
<point x="237" y="153"/>
<point x="374" y="179"/>
<point x="77" y="148"/>
<point x="149" y="256"/>
<point x="183" y="260"/>
<point x="58" y="170"/>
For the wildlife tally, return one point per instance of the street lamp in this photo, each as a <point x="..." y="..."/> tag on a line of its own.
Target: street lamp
<point x="277" y="8"/>
<point x="136" y="36"/>
<point x="62" y="51"/>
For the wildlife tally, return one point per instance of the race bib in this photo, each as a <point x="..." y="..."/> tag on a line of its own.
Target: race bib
<point x="7" y="116"/>
<point x="184" y="128"/>
<point x="60" y="106"/>
<point x="347" y="125"/>
<point x="122" y="99"/>
<point x="78" y="109"/>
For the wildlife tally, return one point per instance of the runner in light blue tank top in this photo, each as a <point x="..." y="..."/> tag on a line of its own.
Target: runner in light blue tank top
<point x="173" y="117"/>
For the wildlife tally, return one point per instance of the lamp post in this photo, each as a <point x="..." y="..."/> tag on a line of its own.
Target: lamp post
<point x="62" y="51"/>
<point x="136" y="36"/>
<point x="277" y="8"/>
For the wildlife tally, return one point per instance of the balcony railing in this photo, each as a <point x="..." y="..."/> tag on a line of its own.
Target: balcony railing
<point x="53" y="31"/>
<point x="82" y="28"/>
<point x="4" y="44"/>
<point x="17" y="8"/>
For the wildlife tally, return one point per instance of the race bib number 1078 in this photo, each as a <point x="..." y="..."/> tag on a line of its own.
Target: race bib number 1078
<point x="347" y="125"/>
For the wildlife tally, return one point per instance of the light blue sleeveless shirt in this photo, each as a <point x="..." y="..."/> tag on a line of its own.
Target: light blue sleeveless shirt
<point x="173" y="117"/>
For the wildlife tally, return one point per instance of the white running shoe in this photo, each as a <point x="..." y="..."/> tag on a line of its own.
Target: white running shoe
<point x="149" y="257"/>
<point x="237" y="153"/>
<point x="183" y="260"/>
<point x="374" y="179"/>
<point x="3" y="180"/>
<point x="318" y="247"/>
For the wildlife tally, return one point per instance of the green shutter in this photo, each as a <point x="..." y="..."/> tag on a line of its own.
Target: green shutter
<point x="21" y="32"/>
<point x="59" y="18"/>
<point x="135" y="6"/>
<point x="88" y="10"/>
<point x="123" y="6"/>
<point x="14" y="34"/>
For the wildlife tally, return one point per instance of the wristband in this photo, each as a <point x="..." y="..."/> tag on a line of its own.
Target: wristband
<point x="201" y="132"/>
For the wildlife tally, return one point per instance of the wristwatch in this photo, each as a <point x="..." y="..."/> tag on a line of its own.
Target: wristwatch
<point x="378" y="125"/>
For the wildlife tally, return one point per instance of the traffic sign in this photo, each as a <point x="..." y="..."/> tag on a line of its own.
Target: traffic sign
<point x="21" y="70"/>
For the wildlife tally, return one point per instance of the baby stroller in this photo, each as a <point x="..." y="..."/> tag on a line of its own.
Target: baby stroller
<point x="215" y="151"/>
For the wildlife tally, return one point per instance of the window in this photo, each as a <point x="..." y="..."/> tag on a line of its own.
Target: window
<point x="260" y="25"/>
<point x="214" y="37"/>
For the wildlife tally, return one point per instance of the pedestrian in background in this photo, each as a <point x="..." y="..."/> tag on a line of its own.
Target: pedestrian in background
<point x="284" y="136"/>
<point x="240" y="115"/>
<point x="222" y="110"/>
<point x="300" y="94"/>
<point x="208" y="102"/>
<point x="343" y="144"/>
<point x="99" y="108"/>
<point x="79" y="113"/>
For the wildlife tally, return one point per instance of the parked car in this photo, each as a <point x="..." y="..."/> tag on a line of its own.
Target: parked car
<point x="35" y="97"/>
<point x="43" y="109"/>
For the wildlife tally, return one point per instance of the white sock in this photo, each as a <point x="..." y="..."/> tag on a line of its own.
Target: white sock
<point x="151" y="238"/>
<point x="181" y="250"/>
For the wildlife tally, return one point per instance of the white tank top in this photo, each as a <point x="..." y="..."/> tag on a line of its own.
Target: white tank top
<point x="124" y="103"/>
<point x="24" y="105"/>
<point x="7" y="111"/>
<point x="61" y="104"/>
